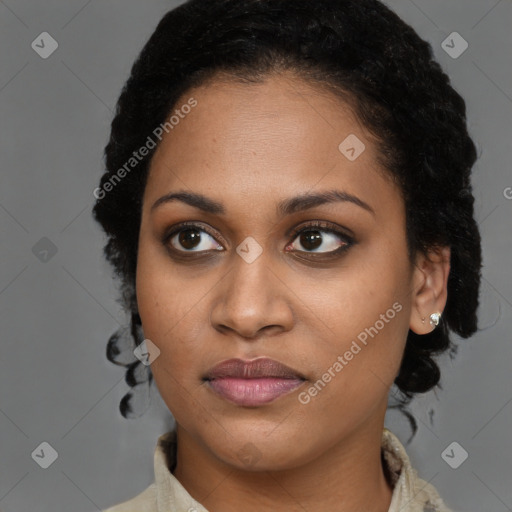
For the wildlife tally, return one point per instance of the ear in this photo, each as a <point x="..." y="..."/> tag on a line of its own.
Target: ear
<point x="430" y="288"/>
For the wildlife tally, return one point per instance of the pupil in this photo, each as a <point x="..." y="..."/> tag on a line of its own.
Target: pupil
<point x="188" y="237"/>
<point x="312" y="240"/>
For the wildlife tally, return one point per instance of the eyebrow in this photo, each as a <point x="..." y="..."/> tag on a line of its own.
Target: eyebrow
<point x="288" y="206"/>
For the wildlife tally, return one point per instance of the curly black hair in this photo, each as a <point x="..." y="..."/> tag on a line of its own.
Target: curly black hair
<point x="363" y="52"/>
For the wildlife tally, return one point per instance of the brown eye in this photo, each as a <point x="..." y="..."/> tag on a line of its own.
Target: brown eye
<point x="311" y="240"/>
<point x="323" y="241"/>
<point x="192" y="239"/>
<point x="189" y="238"/>
<point x="319" y="241"/>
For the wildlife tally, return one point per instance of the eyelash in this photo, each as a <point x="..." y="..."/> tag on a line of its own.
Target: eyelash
<point x="323" y="226"/>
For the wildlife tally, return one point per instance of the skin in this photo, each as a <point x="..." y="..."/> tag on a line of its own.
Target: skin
<point x="250" y="146"/>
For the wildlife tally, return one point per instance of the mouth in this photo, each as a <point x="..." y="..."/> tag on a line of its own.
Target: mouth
<point x="252" y="383"/>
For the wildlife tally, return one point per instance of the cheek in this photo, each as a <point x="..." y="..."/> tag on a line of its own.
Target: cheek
<point x="364" y="323"/>
<point x="371" y="291"/>
<point x="171" y="322"/>
<point x="353" y="375"/>
<point x="366" y="343"/>
<point x="167" y="303"/>
<point x="171" y="314"/>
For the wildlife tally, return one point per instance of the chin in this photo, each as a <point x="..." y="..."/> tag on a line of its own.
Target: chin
<point x="258" y="450"/>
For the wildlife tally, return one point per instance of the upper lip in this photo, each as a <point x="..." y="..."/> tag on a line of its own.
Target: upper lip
<point x="254" y="369"/>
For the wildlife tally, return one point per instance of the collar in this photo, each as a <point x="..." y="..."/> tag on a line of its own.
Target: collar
<point x="410" y="494"/>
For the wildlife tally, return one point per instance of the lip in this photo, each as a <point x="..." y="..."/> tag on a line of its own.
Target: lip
<point x="253" y="369"/>
<point x="253" y="383"/>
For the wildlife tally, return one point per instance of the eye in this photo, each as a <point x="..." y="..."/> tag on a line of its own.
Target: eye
<point x="192" y="238"/>
<point x="321" y="237"/>
<point x="318" y="237"/>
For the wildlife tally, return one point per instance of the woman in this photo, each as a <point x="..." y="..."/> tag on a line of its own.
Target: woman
<point x="288" y="205"/>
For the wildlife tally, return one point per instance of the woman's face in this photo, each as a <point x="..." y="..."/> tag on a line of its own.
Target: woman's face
<point x="332" y="303"/>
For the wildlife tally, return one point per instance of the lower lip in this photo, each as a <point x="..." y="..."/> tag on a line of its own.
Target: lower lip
<point x="251" y="392"/>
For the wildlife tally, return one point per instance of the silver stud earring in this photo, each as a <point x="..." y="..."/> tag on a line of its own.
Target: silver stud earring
<point x="434" y="319"/>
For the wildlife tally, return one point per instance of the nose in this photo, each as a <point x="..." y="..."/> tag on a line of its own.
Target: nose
<point x="252" y="298"/>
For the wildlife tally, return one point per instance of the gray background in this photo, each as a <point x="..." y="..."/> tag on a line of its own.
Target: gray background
<point x="56" y="316"/>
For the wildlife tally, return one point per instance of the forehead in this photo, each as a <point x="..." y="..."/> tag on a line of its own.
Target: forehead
<point x="255" y="141"/>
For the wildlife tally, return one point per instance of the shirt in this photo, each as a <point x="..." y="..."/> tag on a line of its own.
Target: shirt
<point x="166" y="494"/>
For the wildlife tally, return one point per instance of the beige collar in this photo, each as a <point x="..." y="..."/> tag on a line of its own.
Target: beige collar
<point x="166" y="494"/>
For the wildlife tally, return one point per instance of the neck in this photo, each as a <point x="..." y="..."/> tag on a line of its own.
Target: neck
<point x="349" y="476"/>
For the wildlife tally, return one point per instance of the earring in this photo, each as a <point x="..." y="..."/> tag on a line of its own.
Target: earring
<point x="434" y="319"/>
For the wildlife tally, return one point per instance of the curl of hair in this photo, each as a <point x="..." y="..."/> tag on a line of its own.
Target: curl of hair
<point x="369" y="57"/>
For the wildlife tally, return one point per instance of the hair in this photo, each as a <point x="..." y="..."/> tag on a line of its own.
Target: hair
<point x="369" y="57"/>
